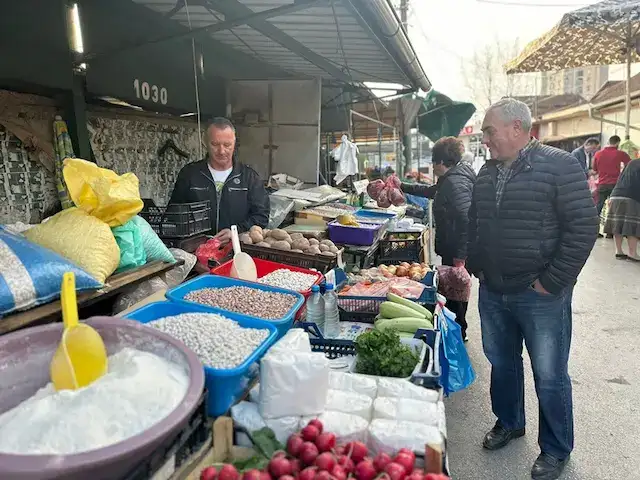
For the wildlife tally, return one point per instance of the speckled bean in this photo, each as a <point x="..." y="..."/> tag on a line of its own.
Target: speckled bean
<point x="246" y="300"/>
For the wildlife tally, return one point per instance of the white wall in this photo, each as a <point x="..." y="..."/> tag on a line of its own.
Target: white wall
<point x="296" y="130"/>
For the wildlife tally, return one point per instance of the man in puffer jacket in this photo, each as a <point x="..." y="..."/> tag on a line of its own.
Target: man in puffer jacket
<point x="452" y="195"/>
<point x="532" y="225"/>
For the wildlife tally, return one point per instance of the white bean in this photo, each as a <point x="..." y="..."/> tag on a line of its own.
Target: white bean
<point x="283" y="278"/>
<point x="217" y="341"/>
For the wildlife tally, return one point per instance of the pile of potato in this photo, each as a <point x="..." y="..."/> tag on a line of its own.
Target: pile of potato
<point x="281" y="240"/>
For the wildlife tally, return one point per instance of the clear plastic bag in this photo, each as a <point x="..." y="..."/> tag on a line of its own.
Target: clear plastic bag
<point x="140" y="292"/>
<point x="347" y="428"/>
<point x="280" y="208"/>
<point x="389" y="436"/>
<point x="352" y="382"/>
<point x="398" y="388"/>
<point x="406" y="409"/>
<point x="176" y="275"/>
<point x="349" y="402"/>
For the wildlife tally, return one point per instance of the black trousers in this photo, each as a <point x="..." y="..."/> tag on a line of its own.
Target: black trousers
<point x="604" y="192"/>
<point x="457" y="307"/>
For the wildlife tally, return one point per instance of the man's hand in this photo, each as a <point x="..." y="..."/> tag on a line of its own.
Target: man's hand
<point x="224" y="236"/>
<point x="457" y="262"/>
<point x="537" y="286"/>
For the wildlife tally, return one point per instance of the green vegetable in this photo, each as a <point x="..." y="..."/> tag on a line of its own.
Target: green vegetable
<point x="265" y="443"/>
<point x="395" y="310"/>
<point x="382" y="354"/>
<point x="392" y="297"/>
<point x="406" y="324"/>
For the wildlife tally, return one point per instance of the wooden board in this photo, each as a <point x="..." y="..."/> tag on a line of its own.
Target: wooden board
<point x="52" y="311"/>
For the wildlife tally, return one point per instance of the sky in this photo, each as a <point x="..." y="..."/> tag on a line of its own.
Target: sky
<point x="444" y="33"/>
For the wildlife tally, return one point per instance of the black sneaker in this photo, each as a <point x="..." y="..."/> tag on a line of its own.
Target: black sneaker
<point x="499" y="437"/>
<point x="547" y="467"/>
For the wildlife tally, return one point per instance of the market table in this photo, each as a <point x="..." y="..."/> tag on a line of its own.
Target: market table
<point x="51" y="312"/>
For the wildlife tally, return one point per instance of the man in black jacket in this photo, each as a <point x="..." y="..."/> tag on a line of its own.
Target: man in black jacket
<point x="235" y="190"/>
<point x="451" y="204"/>
<point x="532" y="225"/>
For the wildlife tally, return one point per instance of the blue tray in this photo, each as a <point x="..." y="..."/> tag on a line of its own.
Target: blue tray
<point x="224" y="387"/>
<point x="283" y="324"/>
<point x="364" y="213"/>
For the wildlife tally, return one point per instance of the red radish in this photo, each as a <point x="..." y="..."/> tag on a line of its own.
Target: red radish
<point x="252" y="475"/>
<point x="436" y="476"/>
<point x="228" y="472"/>
<point x="323" y="475"/>
<point x="346" y="463"/>
<point x="265" y="476"/>
<point x="296" y="466"/>
<point x="279" y="467"/>
<point x="326" y="442"/>
<point x="287" y="477"/>
<point x="325" y="461"/>
<point x="357" y="451"/>
<point x="417" y="474"/>
<point x="406" y="460"/>
<point x="208" y="473"/>
<point x="310" y="433"/>
<point x="339" y="450"/>
<point x="294" y="443"/>
<point x="316" y="423"/>
<point x="408" y="451"/>
<point x="365" y="471"/>
<point x="338" y="473"/>
<point x="308" y="453"/>
<point x="381" y="461"/>
<point x="395" y="471"/>
<point x="308" y="473"/>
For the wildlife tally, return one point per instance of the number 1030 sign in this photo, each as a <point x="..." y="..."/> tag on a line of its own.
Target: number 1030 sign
<point x="151" y="93"/>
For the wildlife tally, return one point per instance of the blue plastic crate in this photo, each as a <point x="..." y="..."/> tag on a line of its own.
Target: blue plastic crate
<point x="283" y="324"/>
<point x="225" y="387"/>
<point x="371" y="305"/>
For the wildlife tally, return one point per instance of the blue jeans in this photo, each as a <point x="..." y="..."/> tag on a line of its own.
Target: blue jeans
<point x="544" y="323"/>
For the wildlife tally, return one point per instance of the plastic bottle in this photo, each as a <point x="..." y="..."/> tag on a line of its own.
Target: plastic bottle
<point x="315" y="308"/>
<point x="331" y="315"/>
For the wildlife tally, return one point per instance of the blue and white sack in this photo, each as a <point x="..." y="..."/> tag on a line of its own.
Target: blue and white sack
<point x="31" y="275"/>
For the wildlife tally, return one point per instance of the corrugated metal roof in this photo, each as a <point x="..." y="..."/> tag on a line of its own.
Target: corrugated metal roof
<point x="323" y="40"/>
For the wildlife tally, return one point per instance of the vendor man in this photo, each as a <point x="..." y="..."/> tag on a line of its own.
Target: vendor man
<point x="236" y="193"/>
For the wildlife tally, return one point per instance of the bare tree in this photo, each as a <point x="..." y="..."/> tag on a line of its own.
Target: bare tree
<point x="484" y="73"/>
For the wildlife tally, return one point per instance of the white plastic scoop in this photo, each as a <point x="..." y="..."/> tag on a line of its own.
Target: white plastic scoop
<point x="243" y="268"/>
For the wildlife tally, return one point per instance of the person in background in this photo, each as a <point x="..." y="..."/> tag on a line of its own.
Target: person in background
<point x="236" y="192"/>
<point x="585" y="153"/>
<point x="607" y="163"/>
<point x="623" y="218"/>
<point x="532" y="225"/>
<point x="452" y="197"/>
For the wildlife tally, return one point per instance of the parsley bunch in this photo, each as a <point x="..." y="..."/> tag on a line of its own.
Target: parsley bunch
<point x="382" y="354"/>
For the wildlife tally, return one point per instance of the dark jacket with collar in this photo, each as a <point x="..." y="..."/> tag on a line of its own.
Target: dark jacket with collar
<point x="544" y="227"/>
<point x="582" y="157"/>
<point x="452" y="198"/>
<point x="243" y="200"/>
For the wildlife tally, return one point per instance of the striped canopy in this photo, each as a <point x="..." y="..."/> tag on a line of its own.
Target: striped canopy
<point x="593" y="35"/>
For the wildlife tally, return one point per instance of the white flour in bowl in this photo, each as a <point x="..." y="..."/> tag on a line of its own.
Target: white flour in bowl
<point x="140" y="390"/>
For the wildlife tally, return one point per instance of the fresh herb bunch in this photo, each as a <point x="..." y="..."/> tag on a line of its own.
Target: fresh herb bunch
<point x="381" y="353"/>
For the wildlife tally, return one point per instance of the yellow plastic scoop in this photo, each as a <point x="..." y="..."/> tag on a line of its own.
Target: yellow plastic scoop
<point x="243" y="267"/>
<point x="81" y="356"/>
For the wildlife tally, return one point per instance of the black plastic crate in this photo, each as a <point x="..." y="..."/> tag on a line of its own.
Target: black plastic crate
<point x="392" y="251"/>
<point x="321" y="263"/>
<point x="188" y="441"/>
<point x="179" y="220"/>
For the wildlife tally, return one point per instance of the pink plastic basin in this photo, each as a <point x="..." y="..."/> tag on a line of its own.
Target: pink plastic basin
<point x="24" y="368"/>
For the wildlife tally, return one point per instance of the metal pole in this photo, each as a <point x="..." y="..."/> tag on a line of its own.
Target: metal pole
<point x="627" y="103"/>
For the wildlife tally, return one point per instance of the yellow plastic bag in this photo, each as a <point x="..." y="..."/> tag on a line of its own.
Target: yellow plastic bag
<point x="81" y="238"/>
<point x="114" y="199"/>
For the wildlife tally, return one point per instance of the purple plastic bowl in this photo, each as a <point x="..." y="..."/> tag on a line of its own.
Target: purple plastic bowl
<point x="24" y="368"/>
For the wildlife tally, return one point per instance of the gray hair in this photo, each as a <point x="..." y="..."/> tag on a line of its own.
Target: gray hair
<point x="221" y="123"/>
<point x="512" y="110"/>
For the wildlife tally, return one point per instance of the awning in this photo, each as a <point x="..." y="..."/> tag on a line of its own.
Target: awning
<point x="443" y="117"/>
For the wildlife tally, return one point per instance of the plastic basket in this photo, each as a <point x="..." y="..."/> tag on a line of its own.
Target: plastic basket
<point x="364" y="235"/>
<point x="370" y="317"/>
<point x="172" y="454"/>
<point x="321" y="263"/>
<point x="227" y="386"/>
<point x="401" y="250"/>
<point x="283" y="324"/>
<point x="179" y="220"/>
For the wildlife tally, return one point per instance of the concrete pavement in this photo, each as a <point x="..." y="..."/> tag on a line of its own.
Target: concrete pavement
<point x="605" y="371"/>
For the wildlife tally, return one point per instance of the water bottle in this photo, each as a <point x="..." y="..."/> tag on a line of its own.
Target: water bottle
<point x="315" y="308"/>
<point x="331" y="315"/>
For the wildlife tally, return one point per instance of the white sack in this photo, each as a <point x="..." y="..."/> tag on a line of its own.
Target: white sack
<point x="295" y="340"/>
<point x="389" y="436"/>
<point x="406" y="409"/>
<point x="396" y="387"/>
<point x="293" y="384"/>
<point x="283" y="427"/>
<point x="349" y="402"/>
<point x="352" y="382"/>
<point x="246" y="415"/>
<point x="347" y="428"/>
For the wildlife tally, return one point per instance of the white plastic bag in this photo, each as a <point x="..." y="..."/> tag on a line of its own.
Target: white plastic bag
<point x="394" y="388"/>
<point x="295" y="340"/>
<point x="442" y="419"/>
<point x="254" y="394"/>
<point x="293" y="384"/>
<point x="283" y="427"/>
<point x="406" y="409"/>
<point x="349" y="402"/>
<point x="389" y="436"/>
<point x="346" y="154"/>
<point x="347" y="428"/>
<point x="352" y="382"/>
<point x="246" y="415"/>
